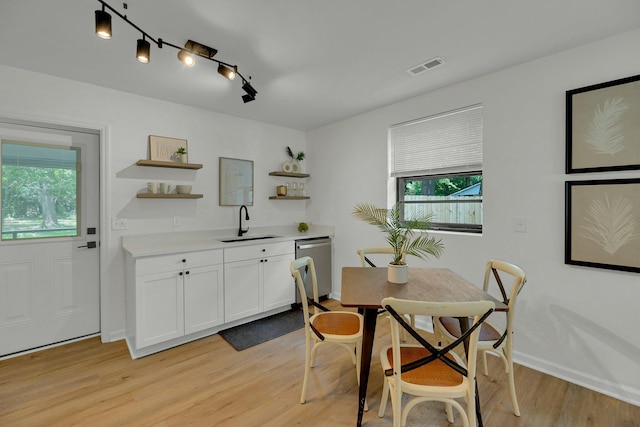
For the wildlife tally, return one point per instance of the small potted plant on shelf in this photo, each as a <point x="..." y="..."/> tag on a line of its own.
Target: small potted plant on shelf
<point x="294" y="164"/>
<point x="181" y="155"/>
<point x="401" y="236"/>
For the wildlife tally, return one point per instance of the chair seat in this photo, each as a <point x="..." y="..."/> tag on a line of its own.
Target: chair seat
<point x="435" y="373"/>
<point x="337" y="323"/>
<point x="487" y="331"/>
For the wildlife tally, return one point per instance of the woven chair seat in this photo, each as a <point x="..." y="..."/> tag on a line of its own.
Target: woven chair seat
<point x="337" y="323"/>
<point x="435" y="373"/>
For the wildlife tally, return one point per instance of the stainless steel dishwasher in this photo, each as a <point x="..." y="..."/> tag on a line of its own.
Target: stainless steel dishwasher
<point x="318" y="248"/>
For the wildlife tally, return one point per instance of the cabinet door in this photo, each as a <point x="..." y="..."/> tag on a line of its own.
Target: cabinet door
<point x="242" y="289"/>
<point x="203" y="298"/>
<point x="279" y="287"/>
<point x="159" y="308"/>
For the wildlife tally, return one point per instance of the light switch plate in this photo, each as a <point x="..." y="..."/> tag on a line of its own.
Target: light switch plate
<point x="118" y="223"/>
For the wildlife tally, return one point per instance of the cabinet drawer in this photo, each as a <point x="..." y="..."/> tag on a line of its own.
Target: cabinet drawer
<point x="162" y="263"/>
<point x="258" y="251"/>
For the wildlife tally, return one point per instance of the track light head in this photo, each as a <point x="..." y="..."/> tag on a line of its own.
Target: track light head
<point x="200" y="49"/>
<point x="248" y="98"/>
<point x="143" y="51"/>
<point x="249" y="89"/>
<point x="103" y="24"/>
<point x="186" y="58"/>
<point x="229" y="73"/>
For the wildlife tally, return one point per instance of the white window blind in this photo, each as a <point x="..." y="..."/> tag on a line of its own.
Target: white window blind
<point x="444" y="143"/>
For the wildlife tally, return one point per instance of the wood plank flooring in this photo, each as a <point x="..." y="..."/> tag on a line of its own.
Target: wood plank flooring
<point x="208" y="383"/>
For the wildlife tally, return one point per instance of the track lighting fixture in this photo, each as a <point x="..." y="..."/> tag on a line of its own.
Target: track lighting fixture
<point x="186" y="58"/>
<point x="229" y="73"/>
<point x="185" y="54"/>
<point x="143" y="51"/>
<point x="103" y="24"/>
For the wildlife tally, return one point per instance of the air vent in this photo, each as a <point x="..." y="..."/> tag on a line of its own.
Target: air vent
<point x="425" y="66"/>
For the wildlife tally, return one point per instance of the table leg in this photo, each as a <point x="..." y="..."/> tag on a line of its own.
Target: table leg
<point x="464" y="327"/>
<point x="368" y="332"/>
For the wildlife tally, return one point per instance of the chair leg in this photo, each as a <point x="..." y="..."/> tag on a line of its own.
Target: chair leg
<point x="307" y="368"/>
<point x="314" y="351"/>
<point x="485" y="368"/>
<point x="448" y="409"/>
<point x="384" y="398"/>
<point x="507" y="352"/>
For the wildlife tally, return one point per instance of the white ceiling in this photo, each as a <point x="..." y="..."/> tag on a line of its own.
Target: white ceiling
<point x="313" y="62"/>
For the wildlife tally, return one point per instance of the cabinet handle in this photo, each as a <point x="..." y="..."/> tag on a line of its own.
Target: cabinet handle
<point x="184" y="260"/>
<point x="186" y="272"/>
<point x="264" y="250"/>
<point x="180" y="274"/>
<point x="266" y="260"/>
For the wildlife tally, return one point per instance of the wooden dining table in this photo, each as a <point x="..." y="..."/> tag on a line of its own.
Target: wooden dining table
<point x="365" y="287"/>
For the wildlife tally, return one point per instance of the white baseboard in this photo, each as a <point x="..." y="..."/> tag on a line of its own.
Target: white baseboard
<point x="600" y="385"/>
<point x="113" y="336"/>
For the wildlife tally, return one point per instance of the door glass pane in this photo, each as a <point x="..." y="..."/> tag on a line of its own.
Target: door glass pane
<point x="39" y="191"/>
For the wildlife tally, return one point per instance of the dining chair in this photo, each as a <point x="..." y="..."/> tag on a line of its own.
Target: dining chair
<point x="495" y="340"/>
<point x="322" y="326"/>
<point x="366" y="259"/>
<point x="427" y="372"/>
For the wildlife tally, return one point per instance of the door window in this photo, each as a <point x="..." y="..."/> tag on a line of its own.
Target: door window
<point x="39" y="191"/>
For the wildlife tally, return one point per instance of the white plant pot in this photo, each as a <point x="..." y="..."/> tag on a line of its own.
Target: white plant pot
<point x="398" y="273"/>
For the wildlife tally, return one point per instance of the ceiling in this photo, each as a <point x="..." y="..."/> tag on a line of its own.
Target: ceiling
<point x="313" y="62"/>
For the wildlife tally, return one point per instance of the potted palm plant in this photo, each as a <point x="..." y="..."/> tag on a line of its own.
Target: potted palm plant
<point x="401" y="236"/>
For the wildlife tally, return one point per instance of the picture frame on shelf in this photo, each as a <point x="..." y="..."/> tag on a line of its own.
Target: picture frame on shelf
<point x="602" y="224"/>
<point x="164" y="149"/>
<point x="603" y="126"/>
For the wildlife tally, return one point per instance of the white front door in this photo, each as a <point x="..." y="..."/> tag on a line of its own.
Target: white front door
<point x="50" y="248"/>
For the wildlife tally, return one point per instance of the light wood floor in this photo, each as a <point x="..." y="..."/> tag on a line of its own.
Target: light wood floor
<point x="208" y="383"/>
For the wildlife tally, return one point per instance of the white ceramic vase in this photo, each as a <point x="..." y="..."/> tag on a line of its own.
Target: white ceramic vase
<point x="398" y="273"/>
<point x="287" y="167"/>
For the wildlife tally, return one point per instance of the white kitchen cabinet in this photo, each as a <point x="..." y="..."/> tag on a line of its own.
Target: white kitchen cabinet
<point x="257" y="279"/>
<point x="173" y="296"/>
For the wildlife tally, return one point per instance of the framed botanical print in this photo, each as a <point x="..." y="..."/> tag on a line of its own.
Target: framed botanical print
<point x="603" y="126"/>
<point x="602" y="224"/>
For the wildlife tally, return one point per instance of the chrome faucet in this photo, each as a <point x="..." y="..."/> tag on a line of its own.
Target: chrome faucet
<point x="246" y="216"/>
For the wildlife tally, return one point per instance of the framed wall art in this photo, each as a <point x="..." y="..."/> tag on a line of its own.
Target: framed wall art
<point x="602" y="224"/>
<point x="603" y="126"/>
<point x="164" y="148"/>
<point x="236" y="182"/>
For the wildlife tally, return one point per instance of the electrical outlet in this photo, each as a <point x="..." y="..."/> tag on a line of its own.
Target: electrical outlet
<point x="176" y="221"/>
<point x="119" y="224"/>
<point x="520" y="224"/>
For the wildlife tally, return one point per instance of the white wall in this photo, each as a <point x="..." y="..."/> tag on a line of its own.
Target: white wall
<point x="573" y="322"/>
<point x="128" y="120"/>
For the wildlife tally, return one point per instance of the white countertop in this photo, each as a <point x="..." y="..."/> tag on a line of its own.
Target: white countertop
<point x="142" y="245"/>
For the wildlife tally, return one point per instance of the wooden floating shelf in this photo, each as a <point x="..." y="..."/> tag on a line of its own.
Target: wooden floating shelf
<point x="168" y="196"/>
<point x="163" y="164"/>
<point x="289" y="197"/>
<point x="289" y="174"/>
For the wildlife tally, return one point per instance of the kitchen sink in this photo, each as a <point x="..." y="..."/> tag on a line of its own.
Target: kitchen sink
<point x="247" y="238"/>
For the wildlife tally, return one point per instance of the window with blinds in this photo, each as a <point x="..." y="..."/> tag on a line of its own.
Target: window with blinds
<point x="437" y="164"/>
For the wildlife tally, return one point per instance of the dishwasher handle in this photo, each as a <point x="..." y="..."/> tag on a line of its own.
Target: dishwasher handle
<point x="313" y="245"/>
